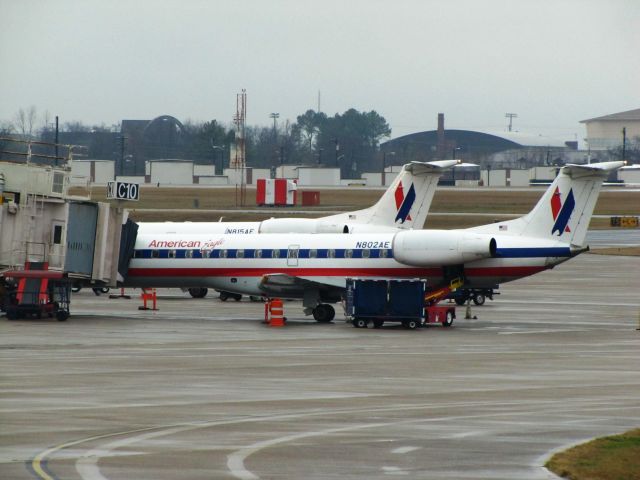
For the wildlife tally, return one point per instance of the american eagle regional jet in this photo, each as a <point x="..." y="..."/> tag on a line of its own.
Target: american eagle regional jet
<point x="315" y="267"/>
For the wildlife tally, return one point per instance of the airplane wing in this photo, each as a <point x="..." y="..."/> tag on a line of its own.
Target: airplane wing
<point x="286" y="280"/>
<point x="284" y="284"/>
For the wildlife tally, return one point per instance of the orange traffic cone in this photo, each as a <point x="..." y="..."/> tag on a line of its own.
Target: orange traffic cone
<point x="277" y="313"/>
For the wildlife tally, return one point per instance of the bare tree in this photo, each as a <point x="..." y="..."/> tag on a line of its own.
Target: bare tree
<point x="25" y="121"/>
<point x="46" y="122"/>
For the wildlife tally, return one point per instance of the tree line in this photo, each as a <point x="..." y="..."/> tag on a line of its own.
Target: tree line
<point x="349" y="140"/>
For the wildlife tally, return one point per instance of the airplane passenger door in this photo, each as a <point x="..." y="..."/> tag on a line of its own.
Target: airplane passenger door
<point x="292" y="255"/>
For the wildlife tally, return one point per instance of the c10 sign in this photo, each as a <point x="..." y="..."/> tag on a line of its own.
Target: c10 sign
<point x="123" y="191"/>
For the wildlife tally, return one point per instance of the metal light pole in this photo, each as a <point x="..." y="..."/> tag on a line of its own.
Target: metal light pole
<point x="275" y="117"/>
<point x="453" y="169"/>
<point x="335" y="140"/>
<point x="221" y="150"/>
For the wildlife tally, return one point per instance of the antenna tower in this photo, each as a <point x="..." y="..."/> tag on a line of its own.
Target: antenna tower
<point x="239" y="161"/>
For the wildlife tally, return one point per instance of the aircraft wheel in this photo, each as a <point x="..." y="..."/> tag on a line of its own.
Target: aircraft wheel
<point x="448" y="320"/>
<point x="198" y="292"/>
<point x="479" y="299"/>
<point x="360" y="323"/>
<point x="236" y="296"/>
<point x="62" y="315"/>
<point x="224" y="296"/>
<point x="76" y="289"/>
<point x="324" y="313"/>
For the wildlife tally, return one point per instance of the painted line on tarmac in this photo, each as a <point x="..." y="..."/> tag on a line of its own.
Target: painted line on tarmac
<point x="405" y="449"/>
<point x="235" y="461"/>
<point x="548" y="330"/>
<point x="39" y="462"/>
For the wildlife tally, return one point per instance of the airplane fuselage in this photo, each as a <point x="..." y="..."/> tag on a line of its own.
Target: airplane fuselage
<point x="240" y="263"/>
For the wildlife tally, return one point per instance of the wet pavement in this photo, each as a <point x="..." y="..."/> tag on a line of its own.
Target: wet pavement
<point x="201" y="389"/>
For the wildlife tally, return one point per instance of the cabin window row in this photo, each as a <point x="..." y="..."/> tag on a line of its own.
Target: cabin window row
<point x="266" y="253"/>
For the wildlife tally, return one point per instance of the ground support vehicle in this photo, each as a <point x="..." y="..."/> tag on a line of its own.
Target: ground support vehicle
<point x="409" y="302"/>
<point x="477" y="295"/>
<point x="224" y="295"/>
<point x="36" y="293"/>
<point x="380" y="301"/>
<point x="96" y="290"/>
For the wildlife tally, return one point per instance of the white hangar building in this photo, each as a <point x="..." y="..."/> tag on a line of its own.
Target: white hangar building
<point x="605" y="132"/>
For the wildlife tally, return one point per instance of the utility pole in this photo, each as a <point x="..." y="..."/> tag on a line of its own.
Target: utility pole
<point x="511" y="116"/>
<point x="56" y="141"/>
<point x="122" y="139"/>
<point x="624" y="143"/>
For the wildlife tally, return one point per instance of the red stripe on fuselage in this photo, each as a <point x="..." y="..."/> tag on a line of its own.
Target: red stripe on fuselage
<point x="515" y="272"/>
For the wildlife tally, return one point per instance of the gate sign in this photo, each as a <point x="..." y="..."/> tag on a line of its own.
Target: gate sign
<point x="123" y="191"/>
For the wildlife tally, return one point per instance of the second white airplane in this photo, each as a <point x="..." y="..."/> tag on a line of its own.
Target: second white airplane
<point x="404" y="205"/>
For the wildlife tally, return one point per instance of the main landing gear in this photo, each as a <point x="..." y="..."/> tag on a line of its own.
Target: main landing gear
<point x="198" y="292"/>
<point x="324" y="313"/>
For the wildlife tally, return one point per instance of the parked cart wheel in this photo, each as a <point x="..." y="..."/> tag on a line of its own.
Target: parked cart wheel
<point x="460" y="301"/>
<point x="410" y="324"/>
<point x="224" y="296"/>
<point x="62" y="315"/>
<point x="448" y="320"/>
<point x="378" y="323"/>
<point x="360" y="323"/>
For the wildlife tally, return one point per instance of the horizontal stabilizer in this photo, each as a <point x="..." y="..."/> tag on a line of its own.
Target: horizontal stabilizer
<point x="600" y="169"/>
<point x="437" y="167"/>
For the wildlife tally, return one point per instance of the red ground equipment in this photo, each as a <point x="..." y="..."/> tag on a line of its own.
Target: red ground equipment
<point x="36" y="292"/>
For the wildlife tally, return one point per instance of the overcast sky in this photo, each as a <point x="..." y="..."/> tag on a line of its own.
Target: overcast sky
<point x="552" y="62"/>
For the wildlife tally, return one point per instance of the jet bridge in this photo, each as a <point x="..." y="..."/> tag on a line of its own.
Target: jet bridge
<point x="88" y="243"/>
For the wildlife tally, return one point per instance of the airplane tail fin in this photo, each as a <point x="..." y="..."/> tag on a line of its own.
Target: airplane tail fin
<point x="564" y="211"/>
<point x="406" y="202"/>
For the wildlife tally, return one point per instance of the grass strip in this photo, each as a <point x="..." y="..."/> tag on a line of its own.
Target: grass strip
<point x="616" y="457"/>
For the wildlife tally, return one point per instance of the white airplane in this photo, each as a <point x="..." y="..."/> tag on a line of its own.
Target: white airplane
<point x="315" y="267"/>
<point x="404" y="205"/>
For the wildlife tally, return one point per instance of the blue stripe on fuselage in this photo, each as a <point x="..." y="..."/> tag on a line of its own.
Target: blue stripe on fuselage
<point x="533" y="252"/>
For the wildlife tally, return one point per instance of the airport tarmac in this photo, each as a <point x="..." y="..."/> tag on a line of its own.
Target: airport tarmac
<point x="202" y="390"/>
